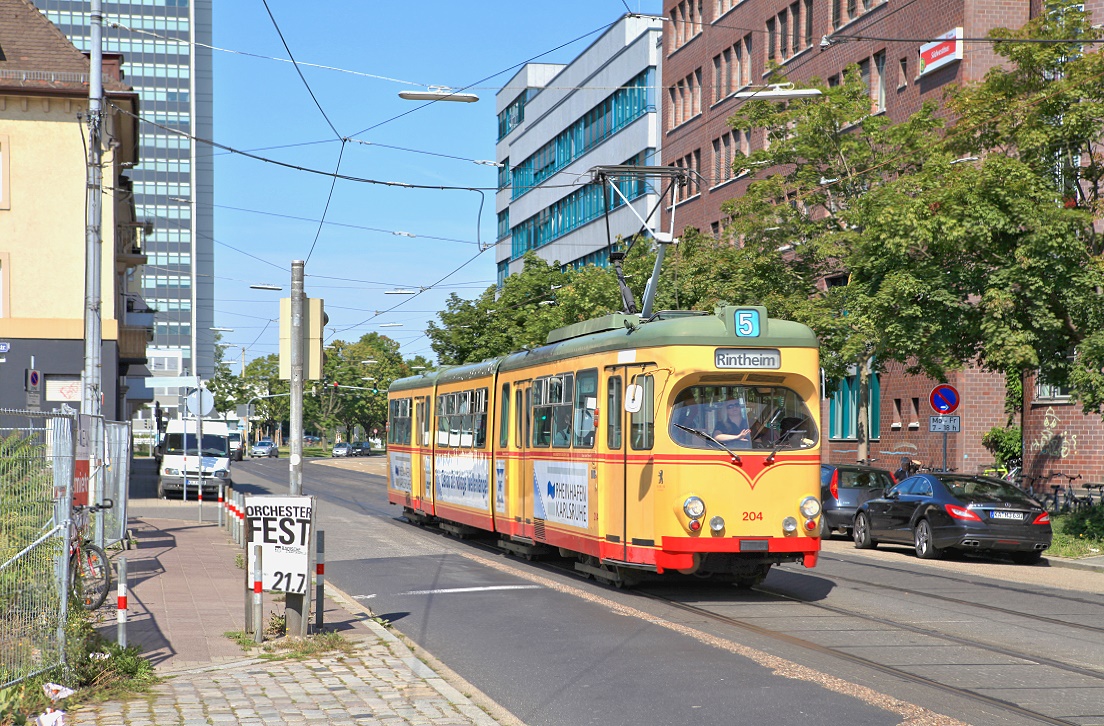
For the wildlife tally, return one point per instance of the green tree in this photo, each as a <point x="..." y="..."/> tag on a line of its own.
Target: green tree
<point x="262" y="382"/>
<point x="1044" y="109"/>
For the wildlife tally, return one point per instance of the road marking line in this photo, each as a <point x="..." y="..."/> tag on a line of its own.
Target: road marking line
<point x="450" y="590"/>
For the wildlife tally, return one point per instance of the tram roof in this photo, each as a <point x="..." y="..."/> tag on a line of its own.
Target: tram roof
<point x="626" y="332"/>
<point x="668" y="328"/>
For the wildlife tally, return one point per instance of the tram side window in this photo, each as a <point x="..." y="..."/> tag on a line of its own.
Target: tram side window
<point x="425" y="421"/>
<point x="398" y="419"/>
<point x="643" y="421"/>
<point x="586" y="402"/>
<point x="542" y="414"/>
<point x="504" y="414"/>
<point x="561" y="392"/>
<point x="613" y="412"/>
<point x="519" y="418"/>
<point x="419" y="413"/>
<point x="462" y="419"/>
<point x="528" y="410"/>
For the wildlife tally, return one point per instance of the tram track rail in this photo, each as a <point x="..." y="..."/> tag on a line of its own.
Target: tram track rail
<point x="968" y="603"/>
<point x="806" y="644"/>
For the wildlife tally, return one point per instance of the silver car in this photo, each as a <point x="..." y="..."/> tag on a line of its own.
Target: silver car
<point x="265" y="447"/>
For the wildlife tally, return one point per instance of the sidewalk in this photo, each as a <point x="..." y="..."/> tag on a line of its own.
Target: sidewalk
<point x="186" y="592"/>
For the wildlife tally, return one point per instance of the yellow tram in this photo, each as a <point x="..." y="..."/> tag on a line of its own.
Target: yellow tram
<point x="684" y="443"/>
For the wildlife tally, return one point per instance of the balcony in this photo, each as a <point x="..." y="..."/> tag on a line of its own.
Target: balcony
<point x="132" y="343"/>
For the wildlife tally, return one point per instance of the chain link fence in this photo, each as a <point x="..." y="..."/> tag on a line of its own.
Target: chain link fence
<point x="37" y="460"/>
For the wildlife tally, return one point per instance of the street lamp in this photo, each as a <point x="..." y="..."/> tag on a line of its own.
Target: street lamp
<point x="265" y="286"/>
<point x="391" y="325"/>
<point x="779" y="92"/>
<point x="222" y="330"/>
<point x="400" y="291"/>
<point x="370" y="361"/>
<point x="439" y="93"/>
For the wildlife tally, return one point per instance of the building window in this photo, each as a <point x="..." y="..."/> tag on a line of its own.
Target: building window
<point x="686" y="20"/>
<point x="843" y="409"/>
<point x="504" y="223"/>
<point x="878" y="93"/>
<point x="794" y="31"/>
<point x="726" y="149"/>
<point x="5" y="177"/>
<point x="1050" y="391"/>
<point x="504" y="173"/>
<point x="692" y="163"/>
<point x="573" y="211"/>
<point x="685" y="99"/>
<point x="503" y="272"/>
<point x="723" y="6"/>
<point x="732" y="69"/>
<point x="624" y="106"/>
<point x="902" y="74"/>
<point x="512" y="116"/>
<point x="844" y="11"/>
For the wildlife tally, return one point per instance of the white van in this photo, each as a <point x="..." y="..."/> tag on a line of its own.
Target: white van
<point x="237" y="451"/>
<point x="185" y="464"/>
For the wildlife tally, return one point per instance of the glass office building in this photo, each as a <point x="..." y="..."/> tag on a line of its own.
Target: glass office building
<point x="164" y="61"/>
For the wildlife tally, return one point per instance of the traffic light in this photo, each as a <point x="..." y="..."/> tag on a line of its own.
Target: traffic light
<point x="375" y="389"/>
<point x="335" y="385"/>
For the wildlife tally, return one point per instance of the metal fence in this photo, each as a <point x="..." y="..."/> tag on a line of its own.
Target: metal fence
<point x="111" y="526"/>
<point x="37" y="462"/>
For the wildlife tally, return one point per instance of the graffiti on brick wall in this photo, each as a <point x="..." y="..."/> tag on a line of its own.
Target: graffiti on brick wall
<point x="1053" y="441"/>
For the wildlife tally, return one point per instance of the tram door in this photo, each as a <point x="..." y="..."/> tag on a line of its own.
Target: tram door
<point x="630" y="438"/>
<point x="519" y="468"/>
<point x="421" y="464"/>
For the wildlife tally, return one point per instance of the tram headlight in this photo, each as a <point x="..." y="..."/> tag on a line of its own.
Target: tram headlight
<point x="810" y="507"/>
<point x="717" y="524"/>
<point x="789" y="525"/>
<point x="694" y="507"/>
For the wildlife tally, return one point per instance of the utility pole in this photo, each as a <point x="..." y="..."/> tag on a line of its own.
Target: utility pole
<point x="295" y="618"/>
<point x="91" y="388"/>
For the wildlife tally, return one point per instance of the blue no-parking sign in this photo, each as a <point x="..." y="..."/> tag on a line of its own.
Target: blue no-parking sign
<point x="944" y="398"/>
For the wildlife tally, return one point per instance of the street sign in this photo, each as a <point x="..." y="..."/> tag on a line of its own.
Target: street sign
<point x="282" y="526"/>
<point x="200" y="402"/>
<point x="33" y="381"/>
<point x="5" y="346"/>
<point x="944" y="398"/>
<point x="944" y="425"/>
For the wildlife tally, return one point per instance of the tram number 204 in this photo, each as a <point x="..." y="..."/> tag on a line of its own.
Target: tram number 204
<point x="293" y="582"/>
<point x="753" y="516"/>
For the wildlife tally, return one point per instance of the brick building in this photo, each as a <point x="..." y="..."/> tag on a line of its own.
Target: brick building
<point x="713" y="49"/>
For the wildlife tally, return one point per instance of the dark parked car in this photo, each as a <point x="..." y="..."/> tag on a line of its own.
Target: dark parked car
<point x="362" y="448"/>
<point x="342" y="449"/>
<point x="941" y="511"/>
<point x="843" y="487"/>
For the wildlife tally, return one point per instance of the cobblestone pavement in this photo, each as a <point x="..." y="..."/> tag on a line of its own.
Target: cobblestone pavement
<point x="382" y="683"/>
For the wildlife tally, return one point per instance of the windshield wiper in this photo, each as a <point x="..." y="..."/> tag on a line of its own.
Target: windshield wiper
<point x="735" y="457"/>
<point x="781" y="441"/>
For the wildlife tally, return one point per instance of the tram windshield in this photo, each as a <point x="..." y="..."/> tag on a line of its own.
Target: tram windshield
<point x="742" y="417"/>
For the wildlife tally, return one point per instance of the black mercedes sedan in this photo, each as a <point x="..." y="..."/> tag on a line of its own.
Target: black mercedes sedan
<point x="943" y="511"/>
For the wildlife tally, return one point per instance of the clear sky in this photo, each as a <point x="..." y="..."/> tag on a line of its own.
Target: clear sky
<point x="266" y="216"/>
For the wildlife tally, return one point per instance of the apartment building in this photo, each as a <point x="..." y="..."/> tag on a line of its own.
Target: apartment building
<point x="558" y="121"/>
<point x="166" y="47"/>
<point x="908" y="53"/>
<point x="43" y="161"/>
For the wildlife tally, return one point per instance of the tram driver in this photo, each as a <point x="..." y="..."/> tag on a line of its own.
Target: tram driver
<point x="731" y="428"/>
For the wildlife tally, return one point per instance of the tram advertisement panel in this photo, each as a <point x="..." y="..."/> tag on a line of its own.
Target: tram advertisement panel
<point x="500" y="485"/>
<point x="561" y="493"/>
<point x="401" y="479"/>
<point x="463" y="480"/>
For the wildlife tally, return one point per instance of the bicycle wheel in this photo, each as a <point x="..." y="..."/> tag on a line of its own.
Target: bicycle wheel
<point x="91" y="572"/>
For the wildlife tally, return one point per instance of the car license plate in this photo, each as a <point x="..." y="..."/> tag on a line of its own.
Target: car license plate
<point x="1006" y="515"/>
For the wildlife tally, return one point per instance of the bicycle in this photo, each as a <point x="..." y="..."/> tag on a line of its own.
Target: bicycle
<point x="89" y="569"/>
<point x="1062" y="499"/>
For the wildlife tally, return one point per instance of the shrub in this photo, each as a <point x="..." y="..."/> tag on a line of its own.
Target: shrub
<point x="1087" y="523"/>
<point x="1003" y="443"/>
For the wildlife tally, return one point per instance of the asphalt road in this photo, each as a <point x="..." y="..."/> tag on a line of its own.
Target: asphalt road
<point x="871" y="637"/>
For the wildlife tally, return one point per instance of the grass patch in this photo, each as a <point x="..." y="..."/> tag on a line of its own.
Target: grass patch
<point x="1071" y="541"/>
<point x="294" y="648"/>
